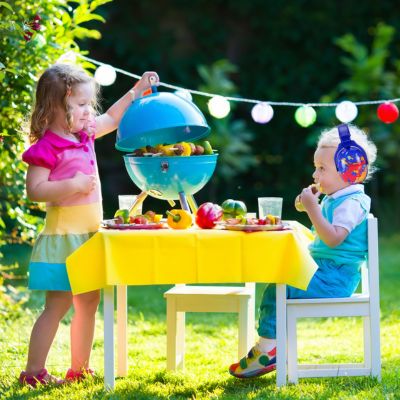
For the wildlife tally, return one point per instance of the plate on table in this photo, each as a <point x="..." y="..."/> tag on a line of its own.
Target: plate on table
<point x="113" y="224"/>
<point x="255" y="228"/>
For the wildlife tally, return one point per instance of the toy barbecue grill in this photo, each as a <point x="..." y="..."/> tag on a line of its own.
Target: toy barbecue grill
<point x="165" y="118"/>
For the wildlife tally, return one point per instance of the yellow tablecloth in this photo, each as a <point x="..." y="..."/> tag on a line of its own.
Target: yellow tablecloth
<point x="165" y="256"/>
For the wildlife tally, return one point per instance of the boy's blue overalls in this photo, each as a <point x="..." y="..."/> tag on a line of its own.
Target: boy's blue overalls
<point x="338" y="274"/>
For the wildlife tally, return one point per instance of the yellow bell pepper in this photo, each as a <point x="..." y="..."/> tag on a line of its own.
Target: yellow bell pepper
<point x="168" y="150"/>
<point x="187" y="150"/>
<point x="179" y="219"/>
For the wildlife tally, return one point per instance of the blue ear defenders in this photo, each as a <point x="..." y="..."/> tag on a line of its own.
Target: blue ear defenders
<point x="350" y="158"/>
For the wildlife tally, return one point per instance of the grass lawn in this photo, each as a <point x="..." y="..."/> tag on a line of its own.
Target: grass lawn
<point x="211" y="345"/>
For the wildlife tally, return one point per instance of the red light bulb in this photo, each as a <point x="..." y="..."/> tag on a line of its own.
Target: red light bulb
<point x="388" y="112"/>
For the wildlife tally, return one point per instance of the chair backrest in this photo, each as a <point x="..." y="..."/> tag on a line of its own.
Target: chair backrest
<point x="370" y="270"/>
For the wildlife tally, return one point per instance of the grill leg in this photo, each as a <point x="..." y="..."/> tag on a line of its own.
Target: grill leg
<point x="192" y="203"/>
<point x="183" y="201"/>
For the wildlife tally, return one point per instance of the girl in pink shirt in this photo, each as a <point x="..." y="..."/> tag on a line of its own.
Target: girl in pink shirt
<point x="63" y="173"/>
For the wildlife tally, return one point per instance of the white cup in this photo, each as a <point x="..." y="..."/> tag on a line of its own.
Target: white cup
<point x="127" y="201"/>
<point x="270" y="205"/>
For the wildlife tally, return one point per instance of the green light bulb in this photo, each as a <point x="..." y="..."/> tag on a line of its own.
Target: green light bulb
<point x="305" y="116"/>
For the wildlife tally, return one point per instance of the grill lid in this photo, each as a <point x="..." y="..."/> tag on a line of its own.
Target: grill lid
<point x="160" y="117"/>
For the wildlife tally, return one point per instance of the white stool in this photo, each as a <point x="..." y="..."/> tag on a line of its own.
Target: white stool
<point x="182" y="298"/>
<point x="364" y="304"/>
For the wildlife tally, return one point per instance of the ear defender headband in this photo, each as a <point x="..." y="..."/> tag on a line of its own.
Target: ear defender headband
<point x="350" y="158"/>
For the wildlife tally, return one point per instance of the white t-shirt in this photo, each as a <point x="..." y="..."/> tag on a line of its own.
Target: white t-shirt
<point x="350" y="213"/>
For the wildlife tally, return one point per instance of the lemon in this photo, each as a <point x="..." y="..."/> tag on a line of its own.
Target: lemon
<point x="157" y="218"/>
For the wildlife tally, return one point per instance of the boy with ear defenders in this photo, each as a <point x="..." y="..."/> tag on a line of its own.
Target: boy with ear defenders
<point x="343" y="161"/>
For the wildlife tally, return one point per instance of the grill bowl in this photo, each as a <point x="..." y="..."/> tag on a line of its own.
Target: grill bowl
<point x="165" y="177"/>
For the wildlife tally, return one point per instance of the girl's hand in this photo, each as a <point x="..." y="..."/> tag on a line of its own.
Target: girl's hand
<point x="309" y="198"/>
<point x="90" y="126"/>
<point x="84" y="183"/>
<point x="148" y="79"/>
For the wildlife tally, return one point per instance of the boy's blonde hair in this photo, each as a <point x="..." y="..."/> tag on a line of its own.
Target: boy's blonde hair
<point x="53" y="89"/>
<point x="331" y="138"/>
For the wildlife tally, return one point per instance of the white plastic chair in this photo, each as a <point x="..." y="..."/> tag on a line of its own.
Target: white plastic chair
<point x="364" y="304"/>
<point x="181" y="299"/>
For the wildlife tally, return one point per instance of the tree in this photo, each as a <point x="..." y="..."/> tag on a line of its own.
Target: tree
<point x="373" y="73"/>
<point x="33" y="35"/>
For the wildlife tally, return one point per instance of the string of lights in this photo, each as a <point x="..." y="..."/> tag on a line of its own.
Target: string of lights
<point x="262" y="111"/>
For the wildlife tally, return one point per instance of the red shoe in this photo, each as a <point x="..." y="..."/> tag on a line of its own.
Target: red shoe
<point x="42" y="377"/>
<point x="72" y="375"/>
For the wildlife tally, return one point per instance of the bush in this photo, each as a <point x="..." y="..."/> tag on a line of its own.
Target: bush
<point x="33" y="35"/>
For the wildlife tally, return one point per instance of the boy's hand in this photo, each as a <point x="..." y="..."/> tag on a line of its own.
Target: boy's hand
<point x="309" y="197"/>
<point x="148" y="79"/>
<point x="84" y="183"/>
<point x="298" y="204"/>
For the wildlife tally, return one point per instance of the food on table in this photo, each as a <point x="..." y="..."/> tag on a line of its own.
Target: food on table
<point x="268" y="220"/>
<point x="175" y="149"/>
<point x="157" y="218"/>
<point x="139" y="219"/>
<point x="149" y="215"/>
<point x="208" y="214"/>
<point x="152" y="216"/>
<point x="122" y="216"/>
<point x="235" y="221"/>
<point x="233" y="209"/>
<point x="179" y="219"/>
<point x="272" y="220"/>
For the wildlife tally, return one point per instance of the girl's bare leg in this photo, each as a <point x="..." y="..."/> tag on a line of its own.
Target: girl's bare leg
<point x="45" y="329"/>
<point x="82" y="328"/>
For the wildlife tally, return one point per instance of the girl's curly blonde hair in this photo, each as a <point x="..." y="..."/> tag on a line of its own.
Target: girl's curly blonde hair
<point x="53" y="89"/>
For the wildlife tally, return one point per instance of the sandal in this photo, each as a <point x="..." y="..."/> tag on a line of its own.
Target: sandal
<point x="255" y="364"/>
<point x="42" y="377"/>
<point x="72" y="375"/>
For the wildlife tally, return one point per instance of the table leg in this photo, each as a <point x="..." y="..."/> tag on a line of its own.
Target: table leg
<point x="109" y="377"/>
<point x="122" y="324"/>
<point x="281" y="335"/>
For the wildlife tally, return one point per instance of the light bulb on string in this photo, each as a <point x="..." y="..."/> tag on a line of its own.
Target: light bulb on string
<point x="219" y="107"/>
<point x="262" y="113"/>
<point x="346" y="111"/>
<point x="305" y="116"/>
<point x="105" y="75"/>
<point x="67" y="58"/>
<point x="184" y="94"/>
<point x="388" y="112"/>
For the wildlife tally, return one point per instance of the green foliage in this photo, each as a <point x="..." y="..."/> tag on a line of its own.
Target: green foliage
<point x="283" y="51"/>
<point x="11" y="298"/>
<point x="373" y="74"/>
<point x="230" y="136"/>
<point x="21" y="62"/>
